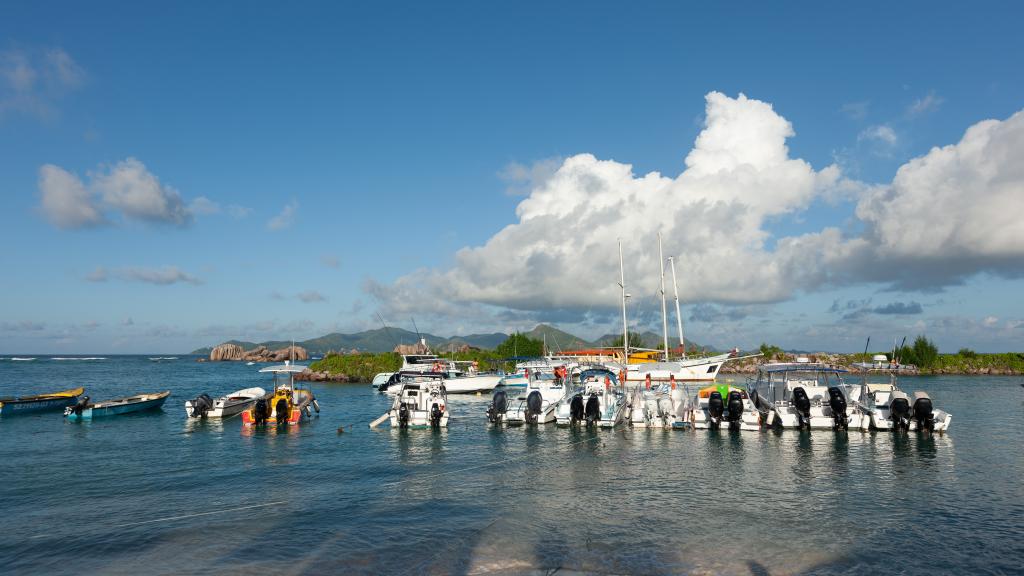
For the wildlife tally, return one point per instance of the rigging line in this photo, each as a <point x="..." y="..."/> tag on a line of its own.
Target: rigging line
<point x="478" y="466"/>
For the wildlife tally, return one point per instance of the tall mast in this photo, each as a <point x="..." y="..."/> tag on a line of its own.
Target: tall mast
<point x="625" y="329"/>
<point x="664" y="312"/>
<point x="679" y="316"/>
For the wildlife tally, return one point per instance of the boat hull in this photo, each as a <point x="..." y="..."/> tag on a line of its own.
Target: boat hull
<point x="40" y="402"/>
<point x="117" y="408"/>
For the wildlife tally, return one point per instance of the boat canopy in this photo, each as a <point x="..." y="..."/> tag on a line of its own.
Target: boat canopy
<point x="284" y="368"/>
<point x="598" y="372"/>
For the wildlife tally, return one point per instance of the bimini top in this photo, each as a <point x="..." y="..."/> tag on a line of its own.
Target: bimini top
<point x="598" y="372"/>
<point x="284" y="368"/>
<point x="800" y="367"/>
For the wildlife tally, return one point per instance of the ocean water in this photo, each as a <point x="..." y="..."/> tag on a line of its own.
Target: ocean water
<point x="156" y="494"/>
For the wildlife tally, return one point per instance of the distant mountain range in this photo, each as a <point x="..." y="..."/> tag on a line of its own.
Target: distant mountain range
<point x="385" y="340"/>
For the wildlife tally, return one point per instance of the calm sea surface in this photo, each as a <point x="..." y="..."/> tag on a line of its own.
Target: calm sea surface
<point x="155" y="494"/>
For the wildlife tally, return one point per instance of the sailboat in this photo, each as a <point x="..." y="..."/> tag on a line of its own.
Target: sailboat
<point x="640" y="370"/>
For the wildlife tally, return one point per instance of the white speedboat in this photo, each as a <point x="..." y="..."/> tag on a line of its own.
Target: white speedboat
<point x="890" y="408"/>
<point x="722" y="404"/>
<point x="456" y="380"/>
<point x="421" y="402"/>
<point x="380" y="378"/>
<point x="805" y="395"/>
<point x="203" y="406"/>
<point x="660" y="406"/>
<point x="597" y="400"/>
<point x="536" y="404"/>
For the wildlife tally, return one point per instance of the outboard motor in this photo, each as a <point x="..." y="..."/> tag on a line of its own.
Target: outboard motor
<point x="403" y="415"/>
<point x="435" y="416"/>
<point x="735" y="405"/>
<point x="837" y="402"/>
<point x="716" y="407"/>
<point x="78" y="407"/>
<point x="201" y="405"/>
<point x="803" y="407"/>
<point x="499" y="405"/>
<point x="260" y="412"/>
<point x="385" y="384"/>
<point x="534" y="403"/>
<point x="923" y="412"/>
<point x="282" y="411"/>
<point x="899" y="411"/>
<point x="593" y="410"/>
<point x="576" y="409"/>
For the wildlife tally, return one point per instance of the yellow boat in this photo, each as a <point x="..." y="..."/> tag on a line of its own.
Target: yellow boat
<point x="286" y="403"/>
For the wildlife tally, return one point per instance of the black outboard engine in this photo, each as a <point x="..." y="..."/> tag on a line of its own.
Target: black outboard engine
<point x="260" y="412"/>
<point x="283" y="413"/>
<point x="735" y="405"/>
<point x="899" y="411"/>
<point x="923" y="412"/>
<point x="534" y="403"/>
<point x="716" y="407"/>
<point x="403" y="415"/>
<point x="837" y="402"/>
<point x="803" y="407"/>
<point x="499" y="405"/>
<point x="392" y="380"/>
<point x="435" y="416"/>
<point x="593" y="411"/>
<point x="576" y="409"/>
<point x="80" y="405"/>
<point x="201" y="405"/>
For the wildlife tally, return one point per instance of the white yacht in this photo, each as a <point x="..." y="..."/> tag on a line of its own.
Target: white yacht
<point x="203" y="406"/>
<point x="597" y="400"/>
<point x="721" y="405"/>
<point x="459" y="377"/>
<point x="805" y="395"/>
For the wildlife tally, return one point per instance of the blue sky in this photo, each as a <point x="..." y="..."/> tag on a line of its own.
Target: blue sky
<point x="177" y="175"/>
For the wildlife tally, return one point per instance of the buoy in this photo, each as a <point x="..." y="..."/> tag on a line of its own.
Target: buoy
<point x="341" y="429"/>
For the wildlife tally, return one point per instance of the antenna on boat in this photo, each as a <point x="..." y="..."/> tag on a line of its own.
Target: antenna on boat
<point x="664" y="313"/>
<point x="387" y="330"/>
<point x="679" y="316"/>
<point x="625" y="326"/>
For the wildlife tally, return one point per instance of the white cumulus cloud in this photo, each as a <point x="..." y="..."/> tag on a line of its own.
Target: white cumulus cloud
<point x="65" y="201"/>
<point x="947" y="215"/>
<point x="285" y="219"/>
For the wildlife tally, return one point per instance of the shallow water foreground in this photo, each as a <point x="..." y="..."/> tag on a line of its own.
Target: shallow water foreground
<point x="154" y="494"/>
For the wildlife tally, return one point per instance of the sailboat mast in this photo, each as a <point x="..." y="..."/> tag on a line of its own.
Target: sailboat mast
<point x="664" y="312"/>
<point x="679" y="316"/>
<point x="625" y="329"/>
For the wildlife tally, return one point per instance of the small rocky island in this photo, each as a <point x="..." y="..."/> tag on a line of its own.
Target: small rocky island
<point x="233" y="352"/>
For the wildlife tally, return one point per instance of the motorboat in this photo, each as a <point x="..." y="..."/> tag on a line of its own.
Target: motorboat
<point x="420" y="402"/>
<point x="659" y="406"/>
<point x="724" y="404"/>
<point x="806" y="395"/>
<point x="597" y="400"/>
<point x="890" y="408"/>
<point x="203" y="406"/>
<point x="86" y="410"/>
<point x="457" y="380"/>
<point x="537" y="402"/>
<point x="380" y="378"/>
<point x="11" y="406"/>
<point x="286" y="404"/>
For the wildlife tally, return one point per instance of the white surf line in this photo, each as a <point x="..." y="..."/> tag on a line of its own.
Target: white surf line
<point x="478" y="466"/>
<point x="170" y="518"/>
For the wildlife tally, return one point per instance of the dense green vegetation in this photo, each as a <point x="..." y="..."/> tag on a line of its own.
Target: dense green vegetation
<point x="519" y="345"/>
<point x="922" y="353"/>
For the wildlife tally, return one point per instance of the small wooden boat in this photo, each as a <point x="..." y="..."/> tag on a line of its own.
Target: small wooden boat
<point x="84" y="410"/>
<point x="39" y="402"/>
<point x="203" y="406"/>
